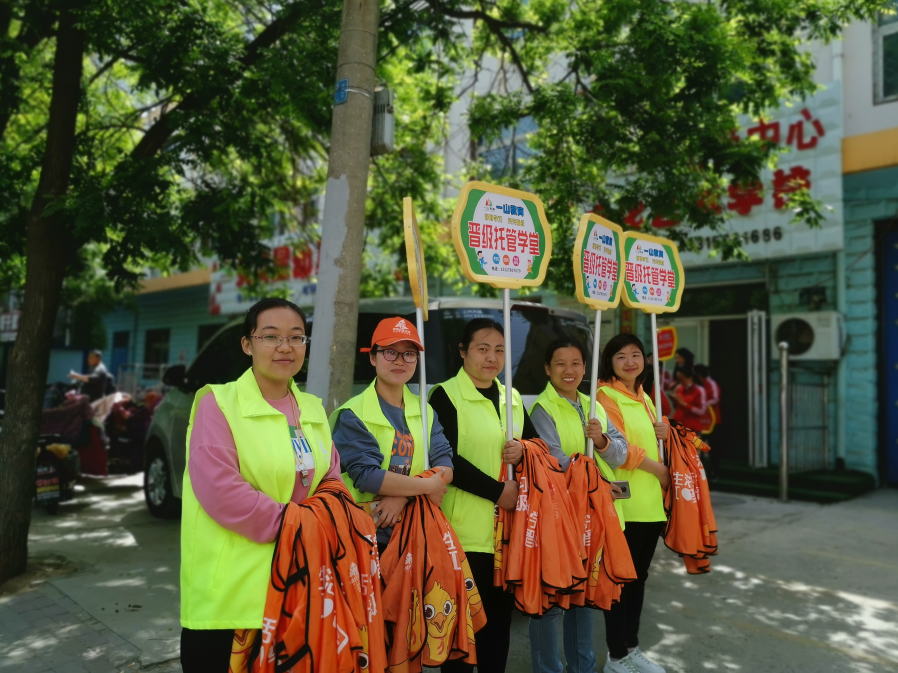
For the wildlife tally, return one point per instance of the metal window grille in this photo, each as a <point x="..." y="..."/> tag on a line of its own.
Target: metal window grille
<point x="808" y="432"/>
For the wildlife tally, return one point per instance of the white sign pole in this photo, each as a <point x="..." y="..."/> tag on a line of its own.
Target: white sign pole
<point x="594" y="377"/>
<point x="422" y="387"/>
<point x="509" y="415"/>
<point x="657" y="369"/>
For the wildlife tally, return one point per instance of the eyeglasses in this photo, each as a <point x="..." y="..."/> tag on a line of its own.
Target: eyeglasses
<point x="273" y="340"/>
<point x="390" y="355"/>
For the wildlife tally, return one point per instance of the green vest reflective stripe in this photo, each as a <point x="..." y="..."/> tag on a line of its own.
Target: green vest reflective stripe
<point x="367" y="408"/>
<point x="570" y="429"/>
<point x="646" y="502"/>
<point x="225" y="576"/>
<point x="481" y="436"/>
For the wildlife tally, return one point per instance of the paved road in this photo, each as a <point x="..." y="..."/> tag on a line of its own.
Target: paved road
<point x="797" y="588"/>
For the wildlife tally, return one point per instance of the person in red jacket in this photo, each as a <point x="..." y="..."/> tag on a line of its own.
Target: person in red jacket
<point x="690" y="399"/>
<point x="711" y="460"/>
<point x="712" y="390"/>
<point x="649" y="384"/>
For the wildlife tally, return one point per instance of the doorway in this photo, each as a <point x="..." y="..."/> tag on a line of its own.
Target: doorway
<point x="727" y="359"/>
<point x="721" y="343"/>
<point x="888" y="270"/>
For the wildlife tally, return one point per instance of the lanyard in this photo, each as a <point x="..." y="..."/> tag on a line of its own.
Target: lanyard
<point x="304" y="472"/>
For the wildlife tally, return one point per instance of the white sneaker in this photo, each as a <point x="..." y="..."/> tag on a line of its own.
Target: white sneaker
<point x="643" y="664"/>
<point x="624" y="665"/>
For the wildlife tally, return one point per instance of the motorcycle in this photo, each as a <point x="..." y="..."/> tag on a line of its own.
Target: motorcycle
<point x="58" y="468"/>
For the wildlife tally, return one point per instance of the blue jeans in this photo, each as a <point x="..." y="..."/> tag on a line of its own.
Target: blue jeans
<point x="577" y="641"/>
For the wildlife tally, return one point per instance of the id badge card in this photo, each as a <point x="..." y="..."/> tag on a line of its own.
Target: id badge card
<point x="302" y="454"/>
<point x="305" y="461"/>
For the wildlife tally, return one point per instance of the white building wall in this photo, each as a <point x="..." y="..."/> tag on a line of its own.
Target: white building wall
<point x="861" y="114"/>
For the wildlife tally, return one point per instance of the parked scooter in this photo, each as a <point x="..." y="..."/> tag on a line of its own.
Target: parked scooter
<point x="58" y="468"/>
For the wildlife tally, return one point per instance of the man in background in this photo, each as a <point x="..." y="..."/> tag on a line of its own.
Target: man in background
<point x="98" y="382"/>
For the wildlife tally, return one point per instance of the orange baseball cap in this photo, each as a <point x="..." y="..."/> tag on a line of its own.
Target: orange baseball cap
<point x="393" y="330"/>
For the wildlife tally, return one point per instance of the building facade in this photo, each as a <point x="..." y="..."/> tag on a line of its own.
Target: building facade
<point x="839" y="280"/>
<point x="830" y="291"/>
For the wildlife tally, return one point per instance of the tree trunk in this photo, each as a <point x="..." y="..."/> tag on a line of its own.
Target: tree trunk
<point x="49" y="249"/>
<point x="333" y="352"/>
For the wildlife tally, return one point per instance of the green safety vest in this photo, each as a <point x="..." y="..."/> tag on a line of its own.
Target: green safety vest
<point x="367" y="408"/>
<point x="225" y="576"/>
<point x="570" y="429"/>
<point x="646" y="502"/>
<point x="481" y="437"/>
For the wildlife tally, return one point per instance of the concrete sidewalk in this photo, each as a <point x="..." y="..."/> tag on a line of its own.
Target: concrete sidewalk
<point x="797" y="587"/>
<point x="119" y="610"/>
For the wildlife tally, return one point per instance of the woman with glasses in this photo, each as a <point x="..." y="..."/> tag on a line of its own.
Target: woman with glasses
<point x="253" y="445"/>
<point x="380" y="434"/>
<point x="471" y="407"/>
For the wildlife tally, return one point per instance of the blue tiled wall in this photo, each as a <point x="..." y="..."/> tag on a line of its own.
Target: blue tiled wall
<point x="182" y="311"/>
<point x="868" y="197"/>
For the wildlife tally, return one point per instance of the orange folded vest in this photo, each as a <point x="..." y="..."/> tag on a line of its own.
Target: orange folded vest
<point x="691" y="530"/>
<point x="539" y="552"/>
<point x="324" y="612"/>
<point x="608" y="561"/>
<point x="431" y="602"/>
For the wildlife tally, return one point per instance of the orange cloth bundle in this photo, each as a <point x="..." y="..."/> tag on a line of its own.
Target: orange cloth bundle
<point x="608" y="561"/>
<point x="691" y="529"/>
<point x="430" y="597"/>
<point x="539" y="551"/>
<point x="324" y="612"/>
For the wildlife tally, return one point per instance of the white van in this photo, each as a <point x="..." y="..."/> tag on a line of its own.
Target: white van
<point x="534" y="327"/>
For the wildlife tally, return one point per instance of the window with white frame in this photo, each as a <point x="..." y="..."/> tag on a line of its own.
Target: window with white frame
<point x="885" y="56"/>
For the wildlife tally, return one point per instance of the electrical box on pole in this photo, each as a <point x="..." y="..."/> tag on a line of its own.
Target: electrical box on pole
<point x="383" y="124"/>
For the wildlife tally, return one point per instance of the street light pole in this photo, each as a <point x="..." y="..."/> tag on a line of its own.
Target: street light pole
<point x="332" y="355"/>
<point x="784" y="421"/>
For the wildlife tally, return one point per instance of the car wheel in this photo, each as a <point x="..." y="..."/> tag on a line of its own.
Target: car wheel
<point x="157" y="488"/>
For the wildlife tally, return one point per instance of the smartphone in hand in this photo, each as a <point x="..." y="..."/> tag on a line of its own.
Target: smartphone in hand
<point x="624" y="487"/>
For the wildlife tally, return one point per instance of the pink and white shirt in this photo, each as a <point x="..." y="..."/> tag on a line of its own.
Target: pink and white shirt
<point x="219" y="487"/>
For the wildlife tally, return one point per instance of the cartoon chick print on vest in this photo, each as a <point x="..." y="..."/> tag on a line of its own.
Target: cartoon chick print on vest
<point x="440" y="614"/>
<point x="364" y="659"/>
<point x="415" y="627"/>
<point x="596" y="569"/>
<point x="497" y="543"/>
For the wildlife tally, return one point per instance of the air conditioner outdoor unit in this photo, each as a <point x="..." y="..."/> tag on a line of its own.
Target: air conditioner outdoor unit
<point x="811" y="336"/>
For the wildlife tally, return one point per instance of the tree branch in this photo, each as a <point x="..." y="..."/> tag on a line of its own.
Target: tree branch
<point x="28" y="38"/>
<point x="519" y="64"/>
<point x="101" y="70"/>
<point x="497" y="28"/>
<point x="160" y="132"/>
<point x="477" y="14"/>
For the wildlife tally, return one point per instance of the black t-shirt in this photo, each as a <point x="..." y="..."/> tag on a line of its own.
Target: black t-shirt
<point x="466" y="476"/>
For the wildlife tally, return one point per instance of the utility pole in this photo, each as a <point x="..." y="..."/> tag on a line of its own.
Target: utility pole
<point x="333" y="352"/>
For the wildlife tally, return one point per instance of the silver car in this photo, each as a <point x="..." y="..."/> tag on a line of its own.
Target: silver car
<point x="534" y="326"/>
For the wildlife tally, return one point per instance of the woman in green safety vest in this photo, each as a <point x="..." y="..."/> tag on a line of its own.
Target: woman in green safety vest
<point x="471" y="408"/>
<point x="622" y="370"/>
<point x="253" y="445"/>
<point x="380" y="435"/>
<point x="560" y="417"/>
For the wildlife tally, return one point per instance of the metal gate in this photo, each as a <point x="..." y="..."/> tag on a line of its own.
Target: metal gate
<point x="757" y="389"/>
<point x="808" y="432"/>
